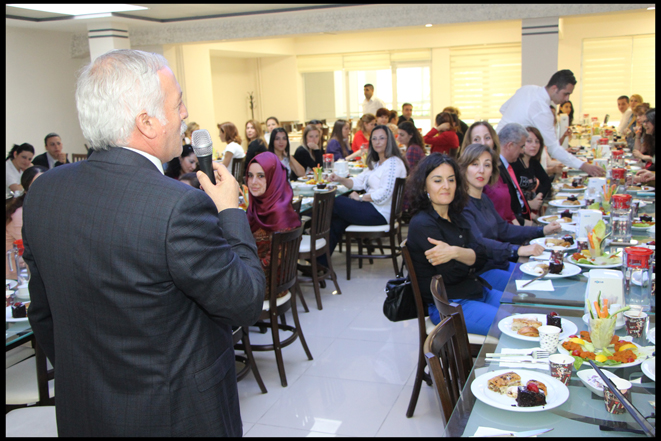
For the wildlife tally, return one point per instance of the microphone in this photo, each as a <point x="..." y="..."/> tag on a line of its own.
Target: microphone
<point x="203" y="148"/>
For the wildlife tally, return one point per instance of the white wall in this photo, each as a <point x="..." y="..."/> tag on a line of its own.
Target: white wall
<point x="40" y="87"/>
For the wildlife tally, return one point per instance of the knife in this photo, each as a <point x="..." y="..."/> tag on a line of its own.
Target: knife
<point x="522" y="434"/>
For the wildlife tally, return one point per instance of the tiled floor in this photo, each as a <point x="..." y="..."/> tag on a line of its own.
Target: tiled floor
<point x="361" y="378"/>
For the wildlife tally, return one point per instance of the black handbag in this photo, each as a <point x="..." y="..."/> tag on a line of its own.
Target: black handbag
<point x="400" y="302"/>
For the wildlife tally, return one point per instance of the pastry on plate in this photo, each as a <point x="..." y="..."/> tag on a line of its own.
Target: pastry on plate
<point x="502" y="382"/>
<point x="519" y="323"/>
<point x="528" y="331"/>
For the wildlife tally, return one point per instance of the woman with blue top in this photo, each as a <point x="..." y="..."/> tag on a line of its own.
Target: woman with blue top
<point x="339" y="144"/>
<point x="440" y="241"/>
<point x="501" y="239"/>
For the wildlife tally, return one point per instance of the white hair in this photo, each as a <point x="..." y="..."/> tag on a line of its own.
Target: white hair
<point x="113" y="90"/>
<point x="512" y="132"/>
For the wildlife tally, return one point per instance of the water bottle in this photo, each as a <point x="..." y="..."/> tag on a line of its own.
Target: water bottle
<point x="621" y="217"/>
<point x="637" y="280"/>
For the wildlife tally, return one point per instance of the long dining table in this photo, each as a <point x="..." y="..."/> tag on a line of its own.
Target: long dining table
<point x="583" y="413"/>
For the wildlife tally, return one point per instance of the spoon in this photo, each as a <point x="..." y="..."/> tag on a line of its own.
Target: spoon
<point x="546" y="271"/>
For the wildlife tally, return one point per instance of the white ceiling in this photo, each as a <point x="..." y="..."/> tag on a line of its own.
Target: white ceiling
<point x="155" y="15"/>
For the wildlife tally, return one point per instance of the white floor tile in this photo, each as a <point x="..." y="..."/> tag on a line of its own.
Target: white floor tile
<point x="425" y="422"/>
<point x="264" y="431"/>
<point x="334" y="406"/>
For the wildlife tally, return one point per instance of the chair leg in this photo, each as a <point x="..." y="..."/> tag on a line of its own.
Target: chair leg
<point x="300" y="296"/>
<point x="393" y="253"/>
<point x="381" y="246"/>
<point x="360" y="252"/>
<point x="348" y="253"/>
<point x="333" y="276"/>
<point x="251" y="359"/>
<point x="275" y="332"/>
<point x="315" y="279"/>
<point x="370" y="247"/>
<point x="299" y="331"/>
<point x="283" y="320"/>
<point x="417" y="385"/>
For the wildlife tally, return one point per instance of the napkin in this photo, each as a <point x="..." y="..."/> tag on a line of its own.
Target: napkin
<point x="537" y="285"/>
<point x="512" y="364"/>
<point x="307" y="200"/>
<point x="546" y="256"/>
<point x="490" y="431"/>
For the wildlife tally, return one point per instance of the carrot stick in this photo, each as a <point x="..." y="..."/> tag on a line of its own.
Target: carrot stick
<point x="605" y="307"/>
<point x="596" y="307"/>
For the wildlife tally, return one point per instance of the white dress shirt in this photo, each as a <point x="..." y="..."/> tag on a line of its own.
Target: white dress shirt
<point x="372" y="105"/>
<point x="12" y="175"/>
<point x="380" y="183"/>
<point x="529" y="106"/>
<point x="624" y="121"/>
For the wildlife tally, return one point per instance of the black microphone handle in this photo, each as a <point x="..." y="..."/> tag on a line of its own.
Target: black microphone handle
<point x="207" y="168"/>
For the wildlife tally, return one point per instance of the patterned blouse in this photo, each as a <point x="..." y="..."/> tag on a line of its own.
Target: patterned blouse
<point x="379" y="183"/>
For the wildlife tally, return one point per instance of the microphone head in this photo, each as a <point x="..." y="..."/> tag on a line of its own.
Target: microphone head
<point x="201" y="142"/>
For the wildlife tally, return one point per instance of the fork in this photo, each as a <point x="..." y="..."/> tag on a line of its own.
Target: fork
<point x="546" y="271"/>
<point x="536" y="354"/>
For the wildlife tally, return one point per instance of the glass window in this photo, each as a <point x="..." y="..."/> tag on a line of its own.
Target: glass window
<point x="381" y="80"/>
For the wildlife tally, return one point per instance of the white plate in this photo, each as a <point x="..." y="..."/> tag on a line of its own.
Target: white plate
<point x="11" y="283"/>
<point x="642" y="228"/>
<point x="505" y="326"/>
<point x="569" y="270"/>
<point x="648" y="367"/>
<point x="585" y="374"/>
<point x="633" y="167"/>
<point x="11" y="319"/>
<point x="564" y="189"/>
<point x="570" y="259"/>
<point x="623" y="365"/>
<point x="635" y="277"/>
<point x="558" y="392"/>
<point x="559" y="203"/>
<point x="542" y="241"/>
<point x="641" y="204"/>
<point x="544" y="221"/>
<point x="586" y="320"/>
<point x="651" y="336"/>
<point x="322" y="190"/>
<point x="302" y="186"/>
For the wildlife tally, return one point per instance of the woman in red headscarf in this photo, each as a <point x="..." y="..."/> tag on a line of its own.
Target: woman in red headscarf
<point x="269" y="208"/>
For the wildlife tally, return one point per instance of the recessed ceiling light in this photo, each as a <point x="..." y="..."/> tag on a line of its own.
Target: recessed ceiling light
<point x="428" y="25"/>
<point x="74" y="9"/>
<point x="651" y="8"/>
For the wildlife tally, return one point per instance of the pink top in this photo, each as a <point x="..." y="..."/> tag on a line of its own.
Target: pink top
<point x="12" y="233"/>
<point x="358" y="140"/>
<point x="500" y="196"/>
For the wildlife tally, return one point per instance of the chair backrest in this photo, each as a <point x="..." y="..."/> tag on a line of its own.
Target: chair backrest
<point x="237" y="170"/>
<point x="397" y="203"/>
<point x="447" y="370"/>
<point x="296" y="205"/>
<point x="322" y="212"/>
<point x="75" y="157"/>
<point x="419" y="305"/>
<point x="284" y="255"/>
<point x="446" y="309"/>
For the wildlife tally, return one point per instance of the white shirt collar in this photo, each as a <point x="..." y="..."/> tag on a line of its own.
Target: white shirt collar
<point x="504" y="161"/>
<point x="152" y="158"/>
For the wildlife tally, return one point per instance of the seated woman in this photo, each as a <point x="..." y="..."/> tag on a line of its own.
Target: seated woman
<point x="186" y="163"/>
<point x="190" y="179"/>
<point x="567" y="108"/>
<point x="14" y="212"/>
<point x="269" y="209"/>
<point x="18" y="160"/>
<point x="645" y="144"/>
<point x="255" y="139"/>
<point x="188" y="135"/>
<point x="392" y="122"/>
<point x="533" y="180"/>
<point x="385" y="163"/>
<point x="271" y="123"/>
<point x="279" y="145"/>
<point x="443" y="137"/>
<point x="463" y="127"/>
<point x="233" y="151"/>
<point x="500" y="239"/>
<point x="441" y="242"/>
<point x="366" y="124"/>
<point x="309" y="153"/>
<point x="409" y="136"/>
<point x="338" y="144"/>
<point x="630" y="130"/>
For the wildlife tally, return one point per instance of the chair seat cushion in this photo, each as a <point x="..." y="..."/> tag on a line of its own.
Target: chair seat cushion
<point x="305" y="244"/>
<point x="477" y="339"/>
<point x="278" y="302"/>
<point x="35" y="421"/>
<point x="429" y="325"/>
<point x="370" y="228"/>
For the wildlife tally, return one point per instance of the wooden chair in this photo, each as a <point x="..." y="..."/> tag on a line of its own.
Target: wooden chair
<point x="317" y="243"/>
<point x="30" y="381"/>
<point x="449" y="361"/>
<point x="238" y="170"/>
<point x="391" y="230"/>
<point x="75" y="157"/>
<point x="424" y="327"/>
<point x="248" y="361"/>
<point x="283" y="271"/>
<point x="445" y="308"/>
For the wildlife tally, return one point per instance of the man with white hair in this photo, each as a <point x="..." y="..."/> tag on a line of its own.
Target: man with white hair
<point x="529" y="106"/>
<point x="136" y="279"/>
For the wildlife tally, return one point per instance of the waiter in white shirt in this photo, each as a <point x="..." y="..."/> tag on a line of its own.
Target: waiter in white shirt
<point x="371" y="103"/>
<point x="623" y="106"/>
<point x="530" y="107"/>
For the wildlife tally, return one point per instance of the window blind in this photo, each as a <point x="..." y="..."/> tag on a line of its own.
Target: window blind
<point x="482" y="78"/>
<point x="616" y="66"/>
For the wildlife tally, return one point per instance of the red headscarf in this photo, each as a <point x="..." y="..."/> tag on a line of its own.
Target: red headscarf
<point x="272" y="211"/>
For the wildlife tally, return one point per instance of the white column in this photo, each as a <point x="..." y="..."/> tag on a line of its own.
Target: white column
<point x="106" y="36"/>
<point x="539" y="50"/>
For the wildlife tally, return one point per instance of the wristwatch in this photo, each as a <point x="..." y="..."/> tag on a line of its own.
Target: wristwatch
<point x="360" y="198"/>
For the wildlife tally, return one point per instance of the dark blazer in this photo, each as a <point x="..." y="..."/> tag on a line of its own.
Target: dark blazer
<point x="514" y="194"/>
<point x="42" y="160"/>
<point x="136" y="280"/>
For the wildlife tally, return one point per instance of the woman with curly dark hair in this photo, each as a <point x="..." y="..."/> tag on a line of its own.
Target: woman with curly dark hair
<point x="443" y="242"/>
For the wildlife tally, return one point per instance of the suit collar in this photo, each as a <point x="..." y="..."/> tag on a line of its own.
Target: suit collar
<point x="121" y="156"/>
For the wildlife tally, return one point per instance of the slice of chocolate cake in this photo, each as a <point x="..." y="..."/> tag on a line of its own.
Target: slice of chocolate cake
<point x="553" y="319"/>
<point x="527" y="398"/>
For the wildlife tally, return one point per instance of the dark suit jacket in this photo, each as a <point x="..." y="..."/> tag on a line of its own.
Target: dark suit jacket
<point x="42" y="160"/>
<point x="136" y="280"/>
<point x="514" y="194"/>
